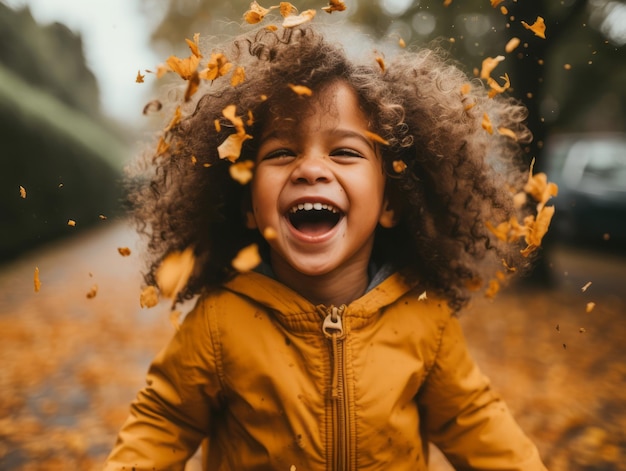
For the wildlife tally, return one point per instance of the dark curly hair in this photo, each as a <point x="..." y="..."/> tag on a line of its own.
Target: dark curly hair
<point x="458" y="176"/>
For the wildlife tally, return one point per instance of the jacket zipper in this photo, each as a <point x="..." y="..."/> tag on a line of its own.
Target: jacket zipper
<point x="333" y="330"/>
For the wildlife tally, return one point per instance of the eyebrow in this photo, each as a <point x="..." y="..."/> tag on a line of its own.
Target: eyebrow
<point x="337" y="132"/>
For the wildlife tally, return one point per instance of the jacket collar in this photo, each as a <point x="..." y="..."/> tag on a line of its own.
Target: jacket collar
<point x="298" y="313"/>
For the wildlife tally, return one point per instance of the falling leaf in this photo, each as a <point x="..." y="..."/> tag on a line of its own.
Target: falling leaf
<point x="381" y="63"/>
<point x="250" y="120"/>
<point x="422" y="297"/>
<point x="537" y="229"/>
<point x="242" y="171"/>
<point x="238" y="77"/>
<point x="586" y="287"/>
<point x="492" y="289"/>
<point x="174" y="271"/>
<point x="538" y="27"/>
<point x="123" y="251"/>
<point x="162" y="146"/>
<point x="149" y="297"/>
<point x="301" y="90"/>
<point x="495" y="3"/>
<point x="334" y="5"/>
<point x="376" y="138"/>
<point x="539" y="188"/>
<point x="175" y="119"/>
<point x="92" y="292"/>
<point x="230" y="113"/>
<point x="192" y="85"/>
<point x="287" y="9"/>
<point x="512" y="45"/>
<point x="305" y="16"/>
<point x="22" y="192"/>
<point x="217" y="66"/>
<point x="567" y="66"/>
<point x="139" y="78"/>
<point x="488" y="64"/>
<point x="447" y="3"/>
<point x="71" y="222"/>
<point x="496" y="88"/>
<point x="162" y="69"/>
<point x="508" y="133"/>
<point x="465" y="88"/>
<point x="37" y="283"/>
<point x="102" y="217"/>
<point x="590" y="306"/>
<point x="184" y="67"/>
<point x="399" y="166"/>
<point x="193" y="45"/>
<point x="486" y="124"/>
<point x="401" y="42"/>
<point x="247" y="258"/>
<point x="269" y="233"/>
<point x="218" y="126"/>
<point x="255" y="14"/>
<point x="231" y="147"/>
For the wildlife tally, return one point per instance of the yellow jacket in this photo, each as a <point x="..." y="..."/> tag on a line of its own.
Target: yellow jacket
<point x="276" y="383"/>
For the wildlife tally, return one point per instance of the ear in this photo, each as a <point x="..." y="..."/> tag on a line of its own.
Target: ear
<point x="388" y="217"/>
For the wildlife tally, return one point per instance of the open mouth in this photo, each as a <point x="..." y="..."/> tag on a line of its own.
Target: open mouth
<point x="314" y="219"/>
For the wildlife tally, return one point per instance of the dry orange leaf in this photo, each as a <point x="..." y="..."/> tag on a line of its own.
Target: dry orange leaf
<point x="193" y="45"/>
<point x="507" y="132"/>
<point x="496" y="88"/>
<point x="123" y="251"/>
<point x="539" y="187"/>
<point x="304" y="17"/>
<point x="162" y="69"/>
<point x="539" y="227"/>
<point x="376" y="138"/>
<point x="218" y="126"/>
<point x="71" y="222"/>
<point x="486" y="124"/>
<point x="174" y="272"/>
<point x="162" y="146"/>
<point x="183" y="67"/>
<point x="22" y="192"/>
<point x="139" y="78"/>
<point x="512" y="45"/>
<point x="492" y="289"/>
<point x="92" y="292"/>
<point x="287" y="9"/>
<point x="301" y="90"/>
<point x="239" y="75"/>
<point x="175" y="119"/>
<point x="256" y="13"/>
<point x="36" y="282"/>
<point x="447" y="3"/>
<point x="217" y="66"/>
<point x="465" y="88"/>
<point x="399" y="166"/>
<point x="334" y="5"/>
<point x="247" y="258"/>
<point x="192" y="85"/>
<point x="250" y="120"/>
<point x="401" y="42"/>
<point x="242" y="171"/>
<point x="230" y="113"/>
<point x="495" y="3"/>
<point x="149" y="297"/>
<point x="590" y="307"/>
<point x="538" y="27"/>
<point x="231" y="147"/>
<point x="381" y="63"/>
<point x="488" y="64"/>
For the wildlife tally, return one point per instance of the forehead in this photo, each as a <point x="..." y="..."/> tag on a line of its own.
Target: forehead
<point x="326" y="107"/>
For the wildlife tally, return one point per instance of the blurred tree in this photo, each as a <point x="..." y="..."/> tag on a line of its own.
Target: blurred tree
<point x="56" y="145"/>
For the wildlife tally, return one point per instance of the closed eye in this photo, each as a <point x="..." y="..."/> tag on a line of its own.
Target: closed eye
<point x="279" y="153"/>
<point x="346" y="153"/>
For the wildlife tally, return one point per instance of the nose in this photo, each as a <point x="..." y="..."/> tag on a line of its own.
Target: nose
<point x="311" y="169"/>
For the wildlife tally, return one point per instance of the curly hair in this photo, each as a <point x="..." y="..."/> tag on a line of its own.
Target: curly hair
<point x="457" y="176"/>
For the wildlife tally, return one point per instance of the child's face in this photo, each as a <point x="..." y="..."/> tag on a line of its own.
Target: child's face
<point x="319" y="184"/>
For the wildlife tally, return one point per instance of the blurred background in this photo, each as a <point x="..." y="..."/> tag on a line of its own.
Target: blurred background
<point x="73" y="354"/>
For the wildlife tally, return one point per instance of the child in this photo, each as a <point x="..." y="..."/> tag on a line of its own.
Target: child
<point x="372" y="189"/>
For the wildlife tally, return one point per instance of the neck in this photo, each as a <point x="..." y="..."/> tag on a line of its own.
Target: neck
<point x="340" y="286"/>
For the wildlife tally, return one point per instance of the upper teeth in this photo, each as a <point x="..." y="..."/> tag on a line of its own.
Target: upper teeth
<point x="311" y="206"/>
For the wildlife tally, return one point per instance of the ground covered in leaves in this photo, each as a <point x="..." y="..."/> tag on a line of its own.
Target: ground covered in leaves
<point x="74" y="354"/>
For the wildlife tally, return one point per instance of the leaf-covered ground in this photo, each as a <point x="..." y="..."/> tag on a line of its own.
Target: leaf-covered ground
<point x="71" y="364"/>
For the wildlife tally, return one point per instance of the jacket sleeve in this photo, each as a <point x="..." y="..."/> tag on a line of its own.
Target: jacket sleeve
<point x="171" y="414"/>
<point x="469" y="423"/>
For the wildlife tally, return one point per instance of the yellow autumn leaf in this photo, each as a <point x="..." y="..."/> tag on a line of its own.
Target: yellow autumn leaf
<point x="486" y="124"/>
<point x="496" y="88"/>
<point x="93" y="291"/>
<point x="334" y="5"/>
<point x="539" y="188"/>
<point x="539" y="226"/>
<point x="399" y="166"/>
<point x="495" y="3"/>
<point x="238" y="77"/>
<point x="538" y="27"/>
<point x="231" y="147"/>
<point x="183" y="67"/>
<point x="149" y="297"/>
<point x="192" y="85"/>
<point x="22" y="192"/>
<point x="139" y="78"/>
<point x="507" y="132"/>
<point x="242" y="171"/>
<point x="492" y="289"/>
<point x="123" y="251"/>
<point x="255" y="14"/>
<point x="304" y="17"/>
<point x="247" y="258"/>
<point x="301" y="90"/>
<point x="488" y="64"/>
<point x="217" y="66"/>
<point x="381" y="63"/>
<point x="36" y="282"/>
<point x="174" y="272"/>
<point x="193" y="45"/>
<point x="512" y="45"/>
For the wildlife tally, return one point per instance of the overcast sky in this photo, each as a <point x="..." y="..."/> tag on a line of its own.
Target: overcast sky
<point x="115" y="39"/>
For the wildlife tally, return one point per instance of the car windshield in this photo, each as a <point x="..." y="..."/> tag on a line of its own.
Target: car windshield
<point x="597" y="163"/>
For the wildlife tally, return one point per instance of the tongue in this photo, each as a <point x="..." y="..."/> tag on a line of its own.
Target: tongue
<point x="314" y="228"/>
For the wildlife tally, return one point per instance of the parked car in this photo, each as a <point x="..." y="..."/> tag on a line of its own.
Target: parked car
<point x="590" y="170"/>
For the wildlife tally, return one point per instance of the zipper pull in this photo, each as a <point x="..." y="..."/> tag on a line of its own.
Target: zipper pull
<point x="332" y="325"/>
